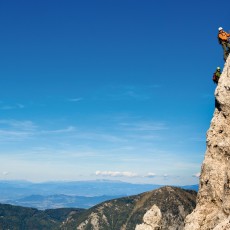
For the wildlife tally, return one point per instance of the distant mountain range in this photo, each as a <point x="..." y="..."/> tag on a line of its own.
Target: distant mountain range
<point x="76" y="194"/>
<point x="167" y="205"/>
<point x="59" y="201"/>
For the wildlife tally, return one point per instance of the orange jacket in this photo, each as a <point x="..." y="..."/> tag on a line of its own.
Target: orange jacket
<point x="223" y="36"/>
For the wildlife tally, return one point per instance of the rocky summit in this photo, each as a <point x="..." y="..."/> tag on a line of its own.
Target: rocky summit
<point x="164" y="208"/>
<point x="213" y="201"/>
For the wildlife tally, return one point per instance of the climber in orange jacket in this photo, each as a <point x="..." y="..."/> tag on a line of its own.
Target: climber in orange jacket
<point x="224" y="41"/>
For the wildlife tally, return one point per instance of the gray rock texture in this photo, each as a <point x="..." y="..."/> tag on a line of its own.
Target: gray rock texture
<point x="213" y="201"/>
<point x="152" y="219"/>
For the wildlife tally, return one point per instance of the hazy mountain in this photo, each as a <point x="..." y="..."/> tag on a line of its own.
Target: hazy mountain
<point x="17" y="189"/>
<point x="194" y="187"/>
<point x="172" y="205"/>
<point x="167" y="205"/>
<point x="78" y="194"/>
<point x="59" y="201"/>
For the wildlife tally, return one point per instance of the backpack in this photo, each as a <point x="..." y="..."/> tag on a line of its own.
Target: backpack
<point x="219" y="40"/>
<point x="215" y="78"/>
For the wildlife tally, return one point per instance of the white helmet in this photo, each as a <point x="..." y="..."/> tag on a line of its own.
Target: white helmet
<point x="220" y="28"/>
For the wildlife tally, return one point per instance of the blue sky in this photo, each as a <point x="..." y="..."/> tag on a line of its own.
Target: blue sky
<point x="107" y="89"/>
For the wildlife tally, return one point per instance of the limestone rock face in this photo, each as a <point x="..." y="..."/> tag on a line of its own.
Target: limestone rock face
<point x="213" y="201"/>
<point x="152" y="219"/>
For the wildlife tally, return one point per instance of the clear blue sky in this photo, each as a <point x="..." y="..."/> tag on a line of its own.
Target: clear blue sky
<point x="107" y="89"/>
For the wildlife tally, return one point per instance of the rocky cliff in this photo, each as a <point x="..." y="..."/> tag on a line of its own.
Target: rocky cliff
<point x="213" y="201"/>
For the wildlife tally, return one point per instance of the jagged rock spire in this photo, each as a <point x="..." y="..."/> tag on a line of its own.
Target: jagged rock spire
<point x="213" y="201"/>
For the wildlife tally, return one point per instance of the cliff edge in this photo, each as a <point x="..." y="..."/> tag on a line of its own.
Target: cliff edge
<point x="213" y="201"/>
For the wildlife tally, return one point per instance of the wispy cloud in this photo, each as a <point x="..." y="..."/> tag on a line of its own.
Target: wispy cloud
<point x="135" y="95"/>
<point x="5" y="134"/>
<point x="132" y="174"/>
<point x="166" y="175"/>
<point x="143" y="137"/>
<point x="58" y="131"/>
<point x="151" y="175"/>
<point x="5" y="173"/>
<point x="75" y="99"/>
<point x="197" y="175"/>
<point x="10" y="107"/>
<point x="127" y="92"/>
<point x="143" y="126"/>
<point x="16" y="130"/>
<point x="21" y="130"/>
<point x="154" y="175"/>
<point x="116" y="174"/>
<point x="20" y="125"/>
<point x="99" y="136"/>
<point x="21" y="106"/>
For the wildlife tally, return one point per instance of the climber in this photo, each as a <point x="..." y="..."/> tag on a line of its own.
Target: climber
<point x="216" y="75"/>
<point x="223" y="38"/>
